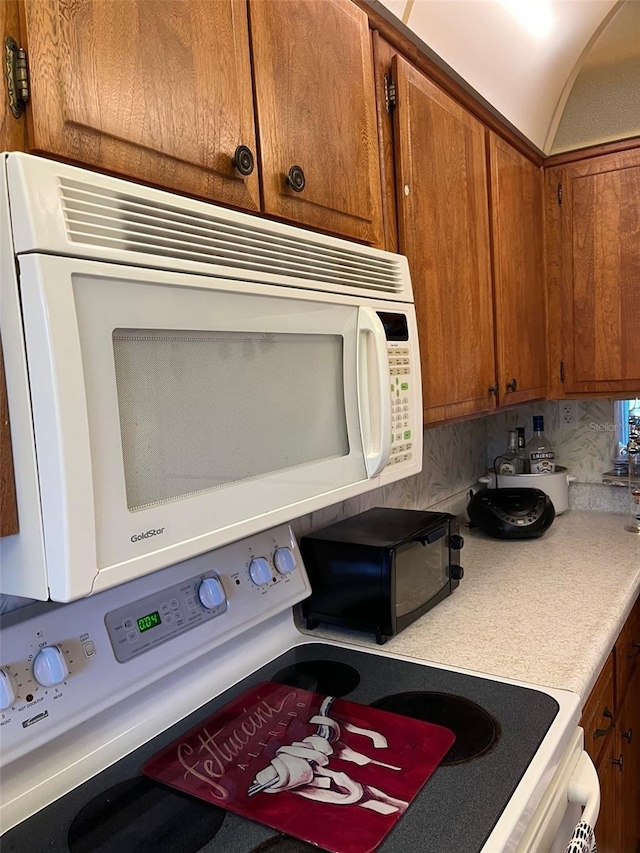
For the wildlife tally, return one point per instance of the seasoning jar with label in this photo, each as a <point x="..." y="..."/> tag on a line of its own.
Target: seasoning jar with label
<point x="541" y="455"/>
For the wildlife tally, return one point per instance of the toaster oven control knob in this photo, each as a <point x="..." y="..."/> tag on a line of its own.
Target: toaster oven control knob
<point x="284" y="561"/>
<point x="456" y="572"/>
<point x="456" y="542"/>
<point x="260" y="571"/>
<point x="50" y="667"/>
<point x="7" y="690"/>
<point x="211" y="593"/>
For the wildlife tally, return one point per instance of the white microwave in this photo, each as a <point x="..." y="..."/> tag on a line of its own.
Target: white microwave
<point x="181" y="376"/>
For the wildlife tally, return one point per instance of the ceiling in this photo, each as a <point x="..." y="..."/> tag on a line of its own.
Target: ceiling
<point x="522" y="56"/>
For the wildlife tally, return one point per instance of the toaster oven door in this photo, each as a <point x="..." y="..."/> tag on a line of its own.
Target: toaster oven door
<point x="421" y="570"/>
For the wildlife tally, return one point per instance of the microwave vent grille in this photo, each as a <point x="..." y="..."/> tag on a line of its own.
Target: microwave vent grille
<point x="99" y="216"/>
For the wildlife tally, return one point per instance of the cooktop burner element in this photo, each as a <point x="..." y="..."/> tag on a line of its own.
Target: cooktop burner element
<point x="328" y="677"/>
<point x="476" y="731"/>
<point x="142" y="815"/>
<point x="285" y="844"/>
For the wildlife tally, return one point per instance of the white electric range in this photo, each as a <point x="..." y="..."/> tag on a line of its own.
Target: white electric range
<point x="90" y="690"/>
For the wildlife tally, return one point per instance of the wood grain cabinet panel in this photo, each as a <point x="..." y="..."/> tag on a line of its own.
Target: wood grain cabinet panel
<point x="627" y="652"/>
<point x="595" y="265"/>
<point x="628" y="750"/>
<point x="517" y="194"/>
<point x="12" y="130"/>
<point x="607" y="826"/>
<point x="8" y="506"/>
<point x="12" y="138"/>
<point x="158" y="91"/>
<point x="443" y="219"/>
<point x="598" y="714"/>
<point x="315" y="100"/>
<point x="616" y="749"/>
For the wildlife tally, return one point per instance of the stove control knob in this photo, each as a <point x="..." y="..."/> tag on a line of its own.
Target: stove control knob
<point x="50" y="667"/>
<point x="7" y="691"/>
<point x="211" y="593"/>
<point x="456" y="572"/>
<point x="456" y="542"/>
<point x="284" y="561"/>
<point x="259" y="571"/>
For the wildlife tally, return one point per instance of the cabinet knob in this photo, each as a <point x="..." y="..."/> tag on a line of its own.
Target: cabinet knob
<point x="456" y="572"/>
<point x="512" y="386"/>
<point x="627" y="735"/>
<point x="634" y="645"/>
<point x="243" y="160"/>
<point x="618" y="762"/>
<point x="296" y="179"/>
<point x="493" y="389"/>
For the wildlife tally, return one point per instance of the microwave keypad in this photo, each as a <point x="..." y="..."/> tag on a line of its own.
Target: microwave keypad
<point x="401" y="436"/>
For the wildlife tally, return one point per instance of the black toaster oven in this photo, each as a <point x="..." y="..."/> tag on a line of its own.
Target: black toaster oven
<point x="380" y="570"/>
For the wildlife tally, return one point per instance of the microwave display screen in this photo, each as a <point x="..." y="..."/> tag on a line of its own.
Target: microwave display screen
<point x="395" y="326"/>
<point x="200" y="410"/>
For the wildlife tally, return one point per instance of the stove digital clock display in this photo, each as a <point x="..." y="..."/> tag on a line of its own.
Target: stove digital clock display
<point x="148" y="621"/>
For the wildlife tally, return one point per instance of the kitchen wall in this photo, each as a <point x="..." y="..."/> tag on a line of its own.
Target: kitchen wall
<point x="585" y="449"/>
<point x="456" y="456"/>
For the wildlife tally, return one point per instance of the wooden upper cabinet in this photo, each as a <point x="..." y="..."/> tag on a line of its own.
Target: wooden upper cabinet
<point x="443" y="219"/>
<point x="159" y="91"/>
<point x="315" y="102"/>
<point x="518" y="265"/>
<point x="12" y="130"/>
<point x="594" y="263"/>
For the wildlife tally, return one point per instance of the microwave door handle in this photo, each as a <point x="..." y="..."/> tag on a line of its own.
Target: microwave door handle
<point x="374" y="400"/>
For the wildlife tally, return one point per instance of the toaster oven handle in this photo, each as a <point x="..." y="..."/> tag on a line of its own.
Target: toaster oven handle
<point x="374" y="399"/>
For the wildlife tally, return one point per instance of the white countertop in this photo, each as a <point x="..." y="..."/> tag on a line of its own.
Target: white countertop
<point x="545" y="611"/>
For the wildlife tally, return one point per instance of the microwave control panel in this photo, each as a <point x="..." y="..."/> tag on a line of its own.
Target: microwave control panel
<point x="401" y="398"/>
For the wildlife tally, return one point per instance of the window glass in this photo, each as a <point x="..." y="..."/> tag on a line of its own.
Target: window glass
<point x="622" y="409"/>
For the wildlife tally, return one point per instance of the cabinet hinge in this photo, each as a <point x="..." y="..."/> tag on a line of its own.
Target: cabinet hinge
<point x="16" y="71"/>
<point x="559" y="195"/>
<point x="562" y="371"/>
<point x="390" y="95"/>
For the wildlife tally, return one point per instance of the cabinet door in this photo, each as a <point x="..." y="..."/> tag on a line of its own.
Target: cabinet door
<point x="443" y="218"/>
<point x="607" y="825"/>
<point x="598" y="271"/>
<point x="159" y="91"/>
<point x="628" y="730"/>
<point x="315" y="101"/>
<point x="518" y="264"/>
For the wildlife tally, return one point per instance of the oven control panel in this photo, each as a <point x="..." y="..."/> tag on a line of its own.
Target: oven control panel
<point x="143" y="624"/>
<point x="63" y="664"/>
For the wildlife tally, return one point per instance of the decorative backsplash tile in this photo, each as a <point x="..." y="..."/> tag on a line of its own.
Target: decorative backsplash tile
<point x="454" y="456"/>
<point x="586" y="450"/>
